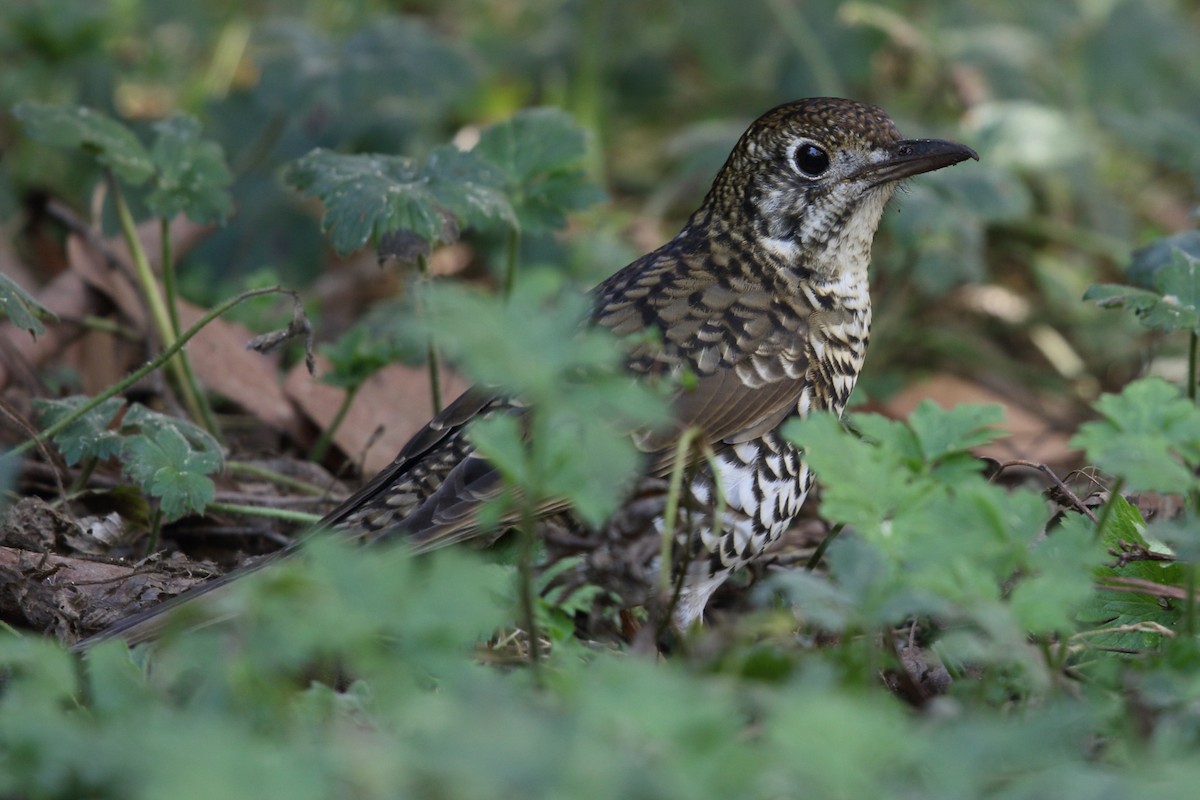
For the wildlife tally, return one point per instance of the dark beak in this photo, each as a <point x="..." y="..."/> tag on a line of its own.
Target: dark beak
<point x="914" y="156"/>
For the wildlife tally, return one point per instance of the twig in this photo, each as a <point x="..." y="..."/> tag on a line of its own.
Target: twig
<point x="1049" y="473"/>
<point x="149" y="367"/>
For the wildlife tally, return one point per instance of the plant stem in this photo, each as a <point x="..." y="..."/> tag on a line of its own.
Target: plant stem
<point x="302" y="517"/>
<point x="1193" y="338"/>
<point x="671" y="511"/>
<point x="159" y="315"/>
<point x="155" y="531"/>
<point x="1189" y="610"/>
<point x="512" y="251"/>
<point x="169" y="284"/>
<point x="819" y="553"/>
<point x="278" y="478"/>
<point x="322" y="446"/>
<point x="526" y="592"/>
<point x="162" y="358"/>
<point x="431" y="354"/>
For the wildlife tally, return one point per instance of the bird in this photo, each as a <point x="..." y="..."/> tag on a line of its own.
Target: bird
<point x="762" y="300"/>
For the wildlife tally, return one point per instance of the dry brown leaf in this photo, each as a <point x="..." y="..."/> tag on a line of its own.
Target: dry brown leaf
<point x="395" y="398"/>
<point x="1029" y="436"/>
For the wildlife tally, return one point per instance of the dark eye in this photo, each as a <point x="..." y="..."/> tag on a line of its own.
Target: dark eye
<point x="811" y="160"/>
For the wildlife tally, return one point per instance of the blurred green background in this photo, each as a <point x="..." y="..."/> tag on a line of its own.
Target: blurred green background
<point x="1086" y="115"/>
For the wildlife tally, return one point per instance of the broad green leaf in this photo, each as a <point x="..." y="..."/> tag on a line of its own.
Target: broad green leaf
<point x="578" y="396"/>
<point x="20" y="307"/>
<point x="942" y="432"/>
<point x="382" y="337"/>
<point x="1149" y="260"/>
<point x="1113" y="608"/>
<point x="168" y="467"/>
<point x="1150" y="436"/>
<point x="540" y="152"/>
<point x="114" y="145"/>
<point x="1179" y="282"/>
<point x="369" y="196"/>
<point x="87" y="437"/>
<point x="141" y="418"/>
<point x="862" y="485"/>
<point x="1175" y="303"/>
<point x="1062" y="564"/>
<point x="193" y="178"/>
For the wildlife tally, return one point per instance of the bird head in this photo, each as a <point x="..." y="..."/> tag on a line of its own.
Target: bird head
<point x="810" y="179"/>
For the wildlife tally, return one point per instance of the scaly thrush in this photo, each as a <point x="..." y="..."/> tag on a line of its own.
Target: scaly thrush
<point x="763" y="297"/>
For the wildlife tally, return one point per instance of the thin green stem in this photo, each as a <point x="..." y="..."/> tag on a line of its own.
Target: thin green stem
<point x="1189" y="603"/>
<point x="302" y="517"/>
<point x="512" y="251"/>
<point x="207" y="419"/>
<point x="431" y="353"/>
<point x="1193" y="339"/>
<point x="163" y="358"/>
<point x="159" y="314"/>
<point x="322" y="446"/>
<point x="526" y="591"/>
<point x="168" y="273"/>
<point x="278" y="478"/>
<point x="671" y="511"/>
<point x="155" y="531"/>
<point x="819" y="553"/>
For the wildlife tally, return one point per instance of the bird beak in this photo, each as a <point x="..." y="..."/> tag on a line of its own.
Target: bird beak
<point x="914" y="156"/>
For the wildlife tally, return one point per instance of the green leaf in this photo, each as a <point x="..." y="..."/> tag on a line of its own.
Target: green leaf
<point x="1179" y="282"/>
<point x="170" y="459"/>
<point x="384" y="336"/>
<point x="942" y="432"/>
<point x="21" y="308"/>
<point x="1149" y="260"/>
<point x="1150" y="436"/>
<point x="1175" y="305"/>
<point x="576" y="395"/>
<point x="1059" y="582"/>
<point x="114" y="145"/>
<point x="166" y="465"/>
<point x="192" y="175"/>
<point x="540" y="152"/>
<point x="87" y="437"/>
<point x="368" y="196"/>
<point x="844" y="464"/>
<point x="1112" y="608"/>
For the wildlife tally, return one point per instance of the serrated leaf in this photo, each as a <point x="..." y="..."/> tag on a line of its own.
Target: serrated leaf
<point x="468" y="187"/>
<point x="21" y="308"/>
<point x="1149" y="260"/>
<point x="165" y="465"/>
<point x="87" y="437"/>
<point x="1112" y="609"/>
<point x="1175" y="303"/>
<point x="193" y="177"/>
<point x="112" y="143"/>
<point x="380" y="338"/>
<point x="1179" y="281"/>
<point x="139" y="417"/>
<point x="540" y="152"/>
<point x="1150" y="436"/>
<point x="368" y="196"/>
<point x="942" y="432"/>
<point x="1062" y="584"/>
<point x="844" y="464"/>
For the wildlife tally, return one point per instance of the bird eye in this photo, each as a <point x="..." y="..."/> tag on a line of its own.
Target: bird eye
<point x="811" y="160"/>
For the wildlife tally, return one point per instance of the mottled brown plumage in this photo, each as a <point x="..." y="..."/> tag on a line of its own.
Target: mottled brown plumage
<point x="763" y="297"/>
